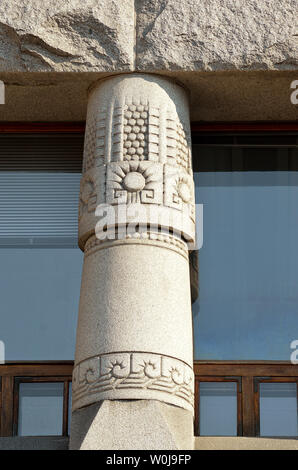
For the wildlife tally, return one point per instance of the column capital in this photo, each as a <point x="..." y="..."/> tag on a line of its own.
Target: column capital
<point x="137" y="158"/>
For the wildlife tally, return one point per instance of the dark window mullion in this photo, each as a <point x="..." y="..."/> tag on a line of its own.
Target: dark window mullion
<point x="65" y="417"/>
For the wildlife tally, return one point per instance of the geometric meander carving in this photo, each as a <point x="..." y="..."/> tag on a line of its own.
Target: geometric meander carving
<point x="128" y="182"/>
<point x="134" y="182"/>
<point x="92" y="190"/>
<point x="131" y="371"/>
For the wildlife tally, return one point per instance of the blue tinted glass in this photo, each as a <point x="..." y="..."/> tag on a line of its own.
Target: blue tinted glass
<point x="248" y="297"/>
<point x="278" y="409"/>
<point x="40" y="290"/>
<point x="40" y="409"/>
<point x="218" y="409"/>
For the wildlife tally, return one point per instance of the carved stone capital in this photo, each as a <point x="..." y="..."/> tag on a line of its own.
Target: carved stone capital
<point x="138" y="151"/>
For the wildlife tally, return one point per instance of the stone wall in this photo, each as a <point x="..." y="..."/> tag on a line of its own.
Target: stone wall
<point x="51" y="35"/>
<point x="213" y="35"/>
<point x="245" y="443"/>
<point x="201" y="443"/>
<point x="34" y="443"/>
<point x="147" y="35"/>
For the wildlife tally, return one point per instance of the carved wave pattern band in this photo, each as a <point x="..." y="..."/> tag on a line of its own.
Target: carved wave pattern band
<point x="133" y="375"/>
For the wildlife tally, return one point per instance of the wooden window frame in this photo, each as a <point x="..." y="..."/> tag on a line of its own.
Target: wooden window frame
<point x="42" y="127"/>
<point x="250" y="373"/>
<point x="247" y="374"/>
<point x="64" y="380"/>
<point x="245" y="126"/>
<point x="257" y="382"/>
<point x="217" y="378"/>
<point x="12" y="374"/>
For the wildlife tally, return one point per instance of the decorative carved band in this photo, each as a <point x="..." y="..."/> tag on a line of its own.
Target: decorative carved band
<point x="149" y="184"/>
<point x="135" y="128"/>
<point x="139" y="238"/>
<point x="133" y="375"/>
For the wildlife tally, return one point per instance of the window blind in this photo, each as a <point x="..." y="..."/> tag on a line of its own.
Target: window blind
<point x="39" y="189"/>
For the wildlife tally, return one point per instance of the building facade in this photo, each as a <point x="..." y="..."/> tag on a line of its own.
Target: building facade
<point x="148" y="166"/>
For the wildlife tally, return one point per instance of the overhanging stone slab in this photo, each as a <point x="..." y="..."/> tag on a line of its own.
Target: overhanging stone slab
<point x="47" y="35"/>
<point x="211" y="35"/>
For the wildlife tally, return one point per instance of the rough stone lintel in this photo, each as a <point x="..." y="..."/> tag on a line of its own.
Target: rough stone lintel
<point x="147" y="35"/>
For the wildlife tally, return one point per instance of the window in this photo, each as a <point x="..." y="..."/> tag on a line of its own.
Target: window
<point x="40" y="275"/>
<point x="277" y="407"/>
<point x="40" y="263"/>
<point x="40" y="408"/>
<point x="245" y="316"/>
<point x="259" y="400"/>
<point x="248" y="299"/>
<point x="36" y="398"/>
<point x="218" y="407"/>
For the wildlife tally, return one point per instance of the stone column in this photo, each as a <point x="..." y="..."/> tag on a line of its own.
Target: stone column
<point x="133" y="384"/>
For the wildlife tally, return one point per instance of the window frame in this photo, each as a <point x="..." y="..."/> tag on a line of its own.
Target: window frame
<point x="250" y="373"/>
<point x="217" y="378"/>
<point x="66" y="380"/>
<point x="247" y="375"/>
<point x="257" y="382"/>
<point x="76" y="127"/>
<point x="12" y="374"/>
